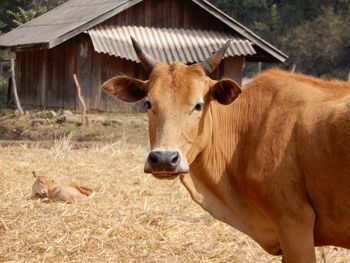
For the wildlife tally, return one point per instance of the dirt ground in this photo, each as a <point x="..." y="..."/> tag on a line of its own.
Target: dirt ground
<point x="103" y="129"/>
<point x="132" y="217"/>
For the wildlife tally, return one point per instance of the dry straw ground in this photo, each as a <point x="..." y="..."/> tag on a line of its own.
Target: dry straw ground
<point x="133" y="217"/>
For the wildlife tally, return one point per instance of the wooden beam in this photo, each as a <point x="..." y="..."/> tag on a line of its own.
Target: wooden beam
<point x="9" y="92"/>
<point x="83" y="70"/>
<point x="84" y="118"/>
<point x="44" y="83"/>
<point x="29" y="47"/>
<point x="14" y="86"/>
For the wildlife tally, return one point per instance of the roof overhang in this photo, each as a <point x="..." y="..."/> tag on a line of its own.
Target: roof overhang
<point x="167" y="44"/>
<point x="30" y="33"/>
<point x="93" y="23"/>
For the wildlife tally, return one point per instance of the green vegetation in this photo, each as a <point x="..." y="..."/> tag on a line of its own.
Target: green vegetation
<point x="4" y="76"/>
<point x="315" y="34"/>
<point x="16" y="12"/>
<point x="23" y="16"/>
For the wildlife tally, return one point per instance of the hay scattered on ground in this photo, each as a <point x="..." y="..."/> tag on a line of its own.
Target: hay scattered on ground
<point x="133" y="217"/>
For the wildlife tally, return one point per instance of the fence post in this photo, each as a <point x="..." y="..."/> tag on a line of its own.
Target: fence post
<point x="14" y="86"/>
<point x="9" y="92"/>
<point x="84" y="118"/>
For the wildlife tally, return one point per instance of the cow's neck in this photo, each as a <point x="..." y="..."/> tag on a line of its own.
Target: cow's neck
<point x="215" y="181"/>
<point x="51" y="189"/>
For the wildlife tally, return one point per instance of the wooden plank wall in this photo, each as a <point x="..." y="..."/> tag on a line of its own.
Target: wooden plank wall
<point x="104" y="68"/>
<point x="168" y="13"/>
<point x="83" y="69"/>
<point x="62" y="64"/>
<point x="29" y="84"/>
<point x="45" y="76"/>
<point x="233" y="68"/>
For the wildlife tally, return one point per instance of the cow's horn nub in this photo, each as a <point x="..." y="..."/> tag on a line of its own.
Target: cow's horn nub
<point x="214" y="60"/>
<point x="146" y="60"/>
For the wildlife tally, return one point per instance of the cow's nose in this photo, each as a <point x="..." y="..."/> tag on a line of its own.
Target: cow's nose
<point x="163" y="161"/>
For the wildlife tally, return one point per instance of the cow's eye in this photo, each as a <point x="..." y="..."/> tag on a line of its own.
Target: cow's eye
<point x="198" y="107"/>
<point x="147" y="104"/>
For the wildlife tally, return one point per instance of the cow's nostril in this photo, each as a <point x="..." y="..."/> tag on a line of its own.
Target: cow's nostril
<point x="175" y="159"/>
<point x="153" y="158"/>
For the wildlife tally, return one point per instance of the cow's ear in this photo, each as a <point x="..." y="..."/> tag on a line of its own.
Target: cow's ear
<point x="34" y="174"/>
<point x="125" y="88"/>
<point x="225" y="91"/>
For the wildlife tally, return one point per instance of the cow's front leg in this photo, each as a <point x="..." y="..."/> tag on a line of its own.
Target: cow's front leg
<point x="296" y="237"/>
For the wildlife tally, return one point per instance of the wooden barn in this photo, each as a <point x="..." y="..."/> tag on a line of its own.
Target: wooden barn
<point x="92" y="39"/>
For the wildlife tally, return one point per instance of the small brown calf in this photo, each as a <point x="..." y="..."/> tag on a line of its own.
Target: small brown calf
<point x="44" y="187"/>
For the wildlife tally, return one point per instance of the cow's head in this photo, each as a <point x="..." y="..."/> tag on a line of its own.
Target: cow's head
<point x="41" y="186"/>
<point x="178" y="99"/>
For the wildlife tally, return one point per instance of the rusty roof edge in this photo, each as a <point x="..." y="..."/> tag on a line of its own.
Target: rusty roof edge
<point x="241" y="29"/>
<point x="60" y="39"/>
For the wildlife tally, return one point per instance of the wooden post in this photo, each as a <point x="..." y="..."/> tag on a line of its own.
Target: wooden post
<point x="294" y="66"/>
<point x="14" y="86"/>
<point x="44" y="101"/>
<point x="259" y="67"/>
<point x="84" y="118"/>
<point x="9" y="88"/>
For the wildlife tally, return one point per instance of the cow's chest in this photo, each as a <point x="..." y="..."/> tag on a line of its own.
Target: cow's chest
<point x="231" y="209"/>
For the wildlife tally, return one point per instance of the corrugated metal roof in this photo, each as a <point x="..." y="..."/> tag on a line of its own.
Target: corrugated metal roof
<point x="166" y="44"/>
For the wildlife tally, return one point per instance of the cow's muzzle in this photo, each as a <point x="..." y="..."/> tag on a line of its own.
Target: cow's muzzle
<point x="166" y="163"/>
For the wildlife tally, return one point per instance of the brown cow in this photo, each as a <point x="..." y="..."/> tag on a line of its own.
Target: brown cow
<point x="44" y="187"/>
<point x="273" y="161"/>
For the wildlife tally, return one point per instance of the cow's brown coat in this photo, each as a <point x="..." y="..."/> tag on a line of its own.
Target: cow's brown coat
<point x="274" y="164"/>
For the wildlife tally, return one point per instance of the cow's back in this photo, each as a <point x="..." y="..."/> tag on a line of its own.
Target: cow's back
<point x="305" y="127"/>
<point x="66" y="193"/>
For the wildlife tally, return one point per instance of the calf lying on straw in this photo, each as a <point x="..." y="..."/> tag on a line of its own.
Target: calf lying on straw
<point x="44" y="187"/>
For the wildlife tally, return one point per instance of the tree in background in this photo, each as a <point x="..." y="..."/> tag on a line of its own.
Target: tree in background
<point x="321" y="46"/>
<point x="15" y="12"/>
<point x="2" y="25"/>
<point x="315" y="34"/>
<point x="23" y="16"/>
